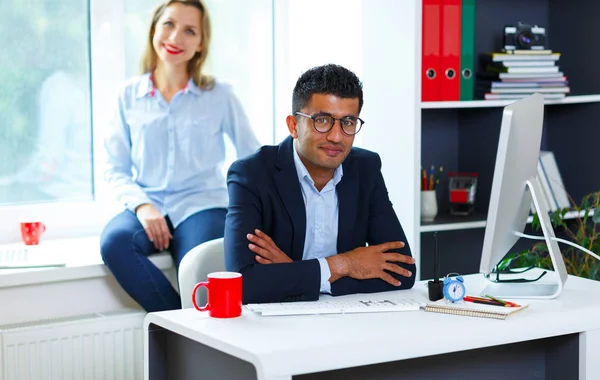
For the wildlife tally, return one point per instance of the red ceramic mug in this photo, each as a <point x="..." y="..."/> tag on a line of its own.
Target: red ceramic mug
<point x="31" y="232"/>
<point x="224" y="294"/>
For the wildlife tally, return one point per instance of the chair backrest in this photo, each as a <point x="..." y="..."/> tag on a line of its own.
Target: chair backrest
<point x="195" y="266"/>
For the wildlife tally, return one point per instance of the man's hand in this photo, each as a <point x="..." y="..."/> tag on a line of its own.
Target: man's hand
<point x="370" y="262"/>
<point x="266" y="250"/>
<point x="155" y="225"/>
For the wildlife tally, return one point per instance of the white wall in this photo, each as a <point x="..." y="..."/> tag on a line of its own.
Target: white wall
<point x="311" y="33"/>
<point x="391" y="45"/>
<point x="380" y="41"/>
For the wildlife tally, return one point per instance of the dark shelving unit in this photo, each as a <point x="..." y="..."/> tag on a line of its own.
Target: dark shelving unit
<point x="463" y="136"/>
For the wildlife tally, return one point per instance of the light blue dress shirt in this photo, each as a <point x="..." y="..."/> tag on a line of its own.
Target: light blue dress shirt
<point x="172" y="154"/>
<point x="322" y="211"/>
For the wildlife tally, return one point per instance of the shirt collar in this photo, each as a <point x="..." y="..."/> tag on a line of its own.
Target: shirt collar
<point x="191" y="87"/>
<point x="303" y="172"/>
<point x="146" y="87"/>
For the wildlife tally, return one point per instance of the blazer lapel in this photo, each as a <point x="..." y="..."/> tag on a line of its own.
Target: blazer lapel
<point x="288" y="186"/>
<point x="347" y="192"/>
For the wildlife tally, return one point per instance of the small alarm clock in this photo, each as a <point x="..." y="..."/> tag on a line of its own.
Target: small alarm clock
<point x="454" y="287"/>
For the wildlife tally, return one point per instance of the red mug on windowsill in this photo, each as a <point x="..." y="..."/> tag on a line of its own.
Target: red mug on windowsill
<point x="31" y="232"/>
<point x="224" y="294"/>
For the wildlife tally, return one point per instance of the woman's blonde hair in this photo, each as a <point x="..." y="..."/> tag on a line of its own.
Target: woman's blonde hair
<point x="195" y="65"/>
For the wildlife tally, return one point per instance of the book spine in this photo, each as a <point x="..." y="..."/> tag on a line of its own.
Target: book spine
<point x="467" y="50"/>
<point x="431" y="64"/>
<point x="555" y="179"/>
<point x="550" y="200"/>
<point x="451" y="27"/>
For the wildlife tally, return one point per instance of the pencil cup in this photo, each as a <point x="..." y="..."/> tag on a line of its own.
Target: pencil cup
<point x="429" y="208"/>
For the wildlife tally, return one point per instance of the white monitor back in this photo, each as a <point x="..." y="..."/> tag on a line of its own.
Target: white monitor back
<point x="515" y="185"/>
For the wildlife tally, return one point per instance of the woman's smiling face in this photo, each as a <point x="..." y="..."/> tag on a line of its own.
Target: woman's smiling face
<point x="177" y="35"/>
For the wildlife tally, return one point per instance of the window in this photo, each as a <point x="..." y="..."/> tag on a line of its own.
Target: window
<point x="241" y="54"/>
<point x="45" y="116"/>
<point x="61" y="70"/>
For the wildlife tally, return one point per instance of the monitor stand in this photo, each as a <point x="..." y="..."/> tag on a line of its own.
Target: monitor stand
<point x="522" y="290"/>
<point x="536" y="290"/>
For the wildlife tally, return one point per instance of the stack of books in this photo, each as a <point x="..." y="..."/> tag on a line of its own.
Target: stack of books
<point x="518" y="73"/>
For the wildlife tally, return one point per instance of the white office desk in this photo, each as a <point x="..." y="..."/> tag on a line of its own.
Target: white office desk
<point x="554" y="339"/>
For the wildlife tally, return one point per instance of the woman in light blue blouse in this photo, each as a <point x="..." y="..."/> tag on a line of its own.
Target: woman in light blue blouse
<point x="165" y="152"/>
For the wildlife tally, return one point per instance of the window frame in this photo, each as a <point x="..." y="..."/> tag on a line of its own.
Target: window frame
<point x="75" y="219"/>
<point x="108" y="72"/>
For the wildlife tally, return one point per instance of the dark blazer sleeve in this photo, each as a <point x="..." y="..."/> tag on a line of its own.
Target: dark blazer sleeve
<point x="383" y="226"/>
<point x="296" y="281"/>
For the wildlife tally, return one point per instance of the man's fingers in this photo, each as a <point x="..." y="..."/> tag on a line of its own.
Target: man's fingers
<point x="260" y="242"/>
<point x="397" y="269"/>
<point x="399" y="258"/>
<point x="262" y="260"/>
<point x="391" y="245"/>
<point x="264" y="246"/>
<point x="260" y="251"/>
<point x="264" y="236"/>
<point x="389" y="279"/>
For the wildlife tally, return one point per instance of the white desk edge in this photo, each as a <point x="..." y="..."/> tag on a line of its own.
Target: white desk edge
<point x="282" y="359"/>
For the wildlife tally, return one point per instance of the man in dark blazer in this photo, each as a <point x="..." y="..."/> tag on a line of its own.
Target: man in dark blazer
<point x="312" y="215"/>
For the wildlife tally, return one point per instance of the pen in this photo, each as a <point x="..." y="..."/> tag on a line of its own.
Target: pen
<point x="492" y="303"/>
<point x="431" y="170"/>
<point x="484" y="301"/>
<point x="511" y="304"/>
<point x="437" y="177"/>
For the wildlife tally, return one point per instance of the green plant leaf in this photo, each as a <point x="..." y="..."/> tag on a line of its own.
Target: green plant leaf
<point x="593" y="273"/>
<point x="583" y="231"/>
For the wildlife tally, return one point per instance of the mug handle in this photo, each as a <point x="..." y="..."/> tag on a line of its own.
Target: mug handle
<point x="43" y="227"/>
<point x="198" y="285"/>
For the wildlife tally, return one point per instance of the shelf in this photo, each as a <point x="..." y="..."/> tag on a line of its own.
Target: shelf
<point x="452" y="223"/>
<point x="568" y="215"/>
<point x="501" y="103"/>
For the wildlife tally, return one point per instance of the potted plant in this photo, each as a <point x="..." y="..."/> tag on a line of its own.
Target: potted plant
<point x="583" y="231"/>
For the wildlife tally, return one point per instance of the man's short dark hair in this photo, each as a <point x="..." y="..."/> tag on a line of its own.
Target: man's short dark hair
<point x="329" y="80"/>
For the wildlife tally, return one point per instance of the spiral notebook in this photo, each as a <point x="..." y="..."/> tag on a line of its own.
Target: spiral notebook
<point x="470" y="309"/>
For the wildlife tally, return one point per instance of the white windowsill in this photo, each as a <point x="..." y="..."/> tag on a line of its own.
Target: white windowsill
<point x="81" y="257"/>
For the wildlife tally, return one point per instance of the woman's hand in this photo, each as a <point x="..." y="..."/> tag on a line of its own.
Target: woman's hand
<point x="155" y="225"/>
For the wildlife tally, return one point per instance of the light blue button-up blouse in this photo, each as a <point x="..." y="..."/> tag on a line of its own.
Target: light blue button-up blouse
<point x="172" y="154"/>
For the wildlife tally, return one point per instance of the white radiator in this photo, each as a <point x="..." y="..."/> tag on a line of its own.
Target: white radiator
<point x="107" y="346"/>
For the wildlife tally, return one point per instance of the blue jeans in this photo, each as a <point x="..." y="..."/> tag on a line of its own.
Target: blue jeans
<point x="125" y="248"/>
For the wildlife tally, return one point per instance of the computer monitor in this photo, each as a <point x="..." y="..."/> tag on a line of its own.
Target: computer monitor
<point x="515" y="185"/>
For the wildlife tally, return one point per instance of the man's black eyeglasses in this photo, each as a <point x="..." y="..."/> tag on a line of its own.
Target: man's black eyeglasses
<point x="324" y="122"/>
<point x="496" y="273"/>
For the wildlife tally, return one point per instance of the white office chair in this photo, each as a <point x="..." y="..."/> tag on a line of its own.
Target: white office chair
<point x="195" y="266"/>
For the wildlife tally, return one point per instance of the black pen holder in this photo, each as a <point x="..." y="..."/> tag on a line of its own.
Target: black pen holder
<point x="436" y="290"/>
